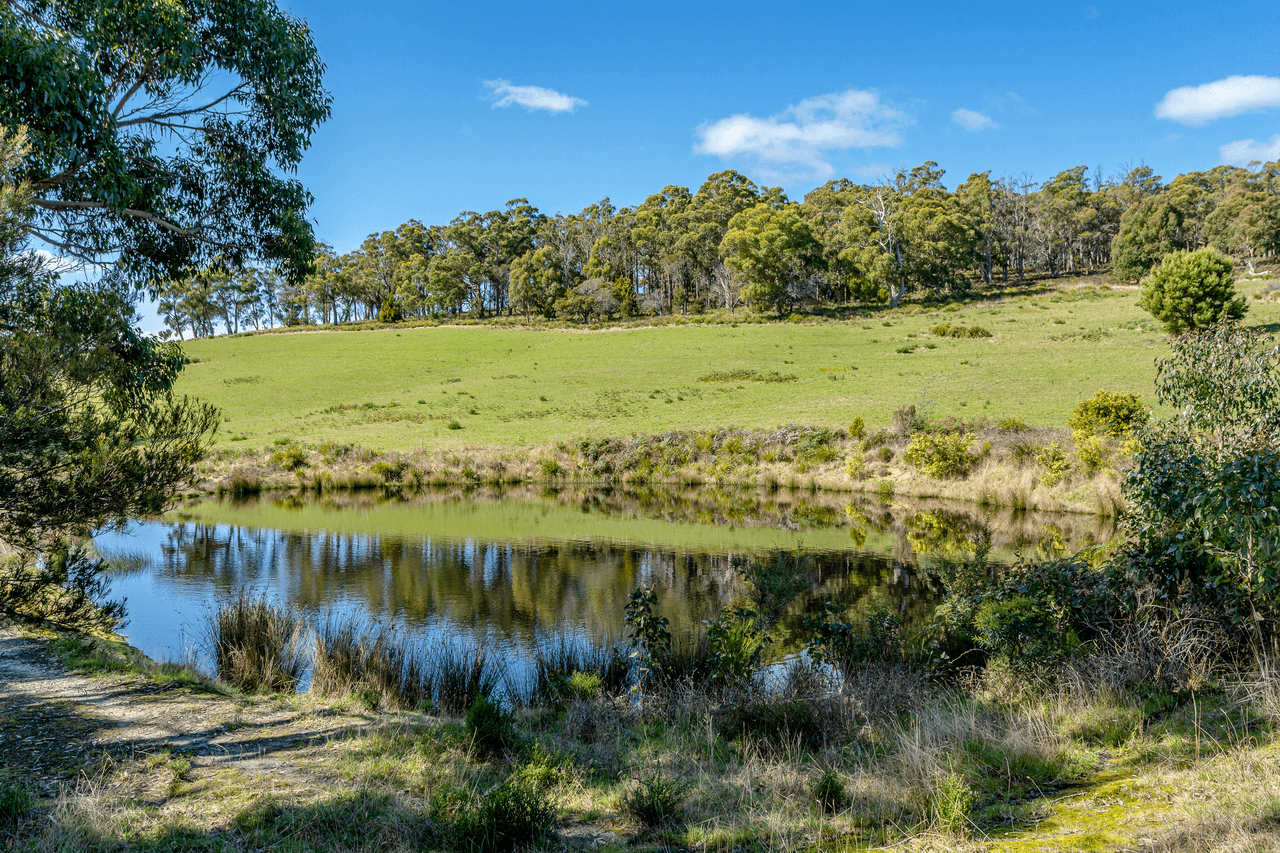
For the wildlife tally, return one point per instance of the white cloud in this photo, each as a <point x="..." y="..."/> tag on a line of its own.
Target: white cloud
<point x="803" y="134"/>
<point x="1245" y="151"/>
<point x="973" y="120"/>
<point x="504" y="94"/>
<point x="1222" y="98"/>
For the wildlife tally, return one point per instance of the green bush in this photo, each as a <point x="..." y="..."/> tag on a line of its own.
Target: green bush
<point x="490" y="728"/>
<point x="290" y="457"/>
<point x="942" y="455"/>
<point x="391" y="311"/>
<point x="858" y="428"/>
<point x="844" y="645"/>
<point x="1192" y="290"/>
<point x="734" y="642"/>
<point x="1055" y="464"/>
<point x="855" y="466"/>
<point x="1108" y="413"/>
<point x="829" y="792"/>
<point x="516" y="814"/>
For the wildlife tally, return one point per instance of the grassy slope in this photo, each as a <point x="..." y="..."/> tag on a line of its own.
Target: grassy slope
<point x="645" y="380"/>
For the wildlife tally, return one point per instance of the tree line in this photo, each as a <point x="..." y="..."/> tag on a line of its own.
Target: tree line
<point x="734" y="243"/>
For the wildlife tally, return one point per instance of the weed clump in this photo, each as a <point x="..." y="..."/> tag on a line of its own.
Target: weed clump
<point x="947" y="330"/>
<point x="655" y="800"/>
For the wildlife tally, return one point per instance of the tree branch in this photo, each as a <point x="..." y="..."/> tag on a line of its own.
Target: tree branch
<point x="48" y="204"/>
<point x="151" y="119"/>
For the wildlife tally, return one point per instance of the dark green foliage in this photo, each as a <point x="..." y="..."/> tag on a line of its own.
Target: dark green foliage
<point x="490" y="726"/>
<point x="1109" y="413"/>
<point x="649" y="634"/>
<point x="655" y="800"/>
<point x="1192" y="290"/>
<point x="1204" y="520"/>
<point x="16" y="805"/>
<point x="516" y="814"/>
<point x="735" y="642"/>
<point x="66" y="587"/>
<point x="257" y="645"/>
<point x="1028" y="615"/>
<point x="829" y="792"/>
<point x="99" y="85"/>
<point x="845" y="645"/>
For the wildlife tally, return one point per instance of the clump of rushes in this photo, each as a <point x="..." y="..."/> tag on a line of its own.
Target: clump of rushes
<point x="258" y="645"/>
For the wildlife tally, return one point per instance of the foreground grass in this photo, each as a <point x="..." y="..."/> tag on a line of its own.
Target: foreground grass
<point x="892" y="760"/>
<point x="443" y="387"/>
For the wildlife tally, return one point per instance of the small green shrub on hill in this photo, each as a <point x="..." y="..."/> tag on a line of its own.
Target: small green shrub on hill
<point x="942" y="455"/>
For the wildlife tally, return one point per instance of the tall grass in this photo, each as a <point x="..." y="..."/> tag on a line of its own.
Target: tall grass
<point x="258" y="645"/>
<point x="557" y="659"/>
<point x="371" y="661"/>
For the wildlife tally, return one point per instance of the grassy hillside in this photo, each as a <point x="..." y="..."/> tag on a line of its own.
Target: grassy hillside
<point x="403" y="388"/>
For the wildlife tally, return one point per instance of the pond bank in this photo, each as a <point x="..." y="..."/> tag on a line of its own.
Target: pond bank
<point x="1002" y="466"/>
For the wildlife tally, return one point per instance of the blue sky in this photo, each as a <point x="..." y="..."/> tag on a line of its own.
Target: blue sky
<point x="440" y="108"/>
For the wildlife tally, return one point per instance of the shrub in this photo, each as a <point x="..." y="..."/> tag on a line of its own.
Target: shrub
<point x="290" y="457"/>
<point x="775" y="723"/>
<point x="391" y="311"/>
<point x="855" y="466"/>
<point x="844" y="645"/>
<point x="655" y="800"/>
<point x="1092" y="454"/>
<point x="734" y="642"/>
<point x="829" y="792"/>
<point x="1191" y="290"/>
<point x="857" y="429"/>
<point x="515" y="814"/>
<point x="1054" y="462"/>
<point x="1108" y="413"/>
<point x="941" y="455"/>
<point x="490" y="728"/>
<point x="951" y="801"/>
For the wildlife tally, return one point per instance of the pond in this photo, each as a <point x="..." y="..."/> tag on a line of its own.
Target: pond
<point x="511" y="566"/>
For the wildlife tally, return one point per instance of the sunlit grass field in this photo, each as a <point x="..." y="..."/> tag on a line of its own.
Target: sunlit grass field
<point x="482" y="386"/>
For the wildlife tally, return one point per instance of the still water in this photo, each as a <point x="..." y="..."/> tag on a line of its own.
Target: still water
<point x="511" y="566"/>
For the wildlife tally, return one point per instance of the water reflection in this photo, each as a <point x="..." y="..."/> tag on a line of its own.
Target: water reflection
<point x="517" y="564"/>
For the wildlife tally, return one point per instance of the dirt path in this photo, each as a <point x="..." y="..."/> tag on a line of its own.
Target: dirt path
<point x="57" y="726"/>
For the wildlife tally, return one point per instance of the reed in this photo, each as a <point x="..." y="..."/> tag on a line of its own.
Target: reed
<point x="258" y="645"/>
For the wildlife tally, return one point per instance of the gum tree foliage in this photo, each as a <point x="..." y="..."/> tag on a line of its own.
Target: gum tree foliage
<point x="90" y="431"/>
<point x="1204" y="494"/>
<point x="773" y="249"/>
<point x="1191" y="290"/>
<point x="161" y="131"/>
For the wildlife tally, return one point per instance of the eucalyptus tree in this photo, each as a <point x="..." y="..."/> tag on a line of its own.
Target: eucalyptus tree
<point x="660" y="235"/>
<point x="161" y="132"/>
<point x="774" y="249"/>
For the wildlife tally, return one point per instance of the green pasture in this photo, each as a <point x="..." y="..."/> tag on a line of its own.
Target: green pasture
<point x="404" y="388"/>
